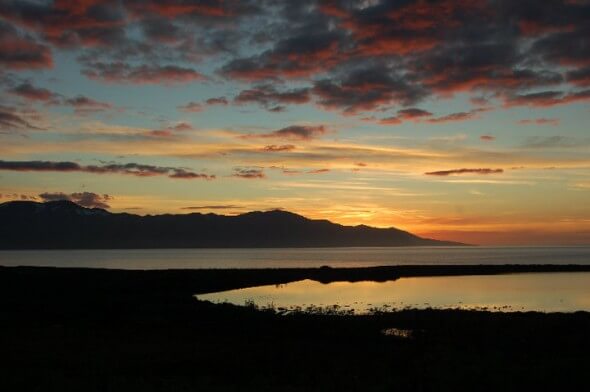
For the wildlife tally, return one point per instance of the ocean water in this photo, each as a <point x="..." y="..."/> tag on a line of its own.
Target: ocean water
<point x="546" y="292"/>
<point x="294" y="257"/>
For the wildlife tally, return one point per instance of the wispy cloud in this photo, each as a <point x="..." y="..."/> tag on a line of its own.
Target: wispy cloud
<point x="464" y="171"/>
<point x="134" y="169"/>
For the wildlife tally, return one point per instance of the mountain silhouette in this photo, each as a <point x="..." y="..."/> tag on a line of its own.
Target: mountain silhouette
<point x="67" y="225"/>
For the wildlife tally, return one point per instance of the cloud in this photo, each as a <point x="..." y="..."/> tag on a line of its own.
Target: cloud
<point x="547" y="98"/>
<point x="556" y="142"/>
<point x="17" y="196"/>
<point x="413" y="113"/>
<point x="195" y="107"/>
<point x="142" y="74"/>
<point x="366" y="88"/>
<point x="172" y="8"/>
<point x="278" y="148"/>
<point x="487" y="138"/>
<point x="302" y="54"/>
<point x="191" y="107"/>
<point x="85" y="105"/>
<point x="410" y="114"/>
<point x="248" y="173"/>
<point x="217" y="101"/>
<point x="85" y="199"/>
<point x="134" y="169"/>
<point x="12" y="120"/>
<point x="213" y="207"/>
<point x="540" y="121"/>
<point x="318" y="171"/>
<point x="20" y="51"/>
<point x="464" y="171"/>
<point x="269" y="97"/>
<point x="293" y="132"/>
<point x="419" y="116"/>
<point x="357" y="56"/>
<point x="31" y="93"/>
<point x="70" y="24"/>
<point x="454" y="117"/>
<point x="171" y="130"/>
<point x="579" y="77"/>
<point x="390" y="121"/>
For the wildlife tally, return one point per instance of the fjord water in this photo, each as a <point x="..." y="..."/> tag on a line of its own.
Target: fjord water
<point x="294" y="257"/>
<point x="546" y="292"/>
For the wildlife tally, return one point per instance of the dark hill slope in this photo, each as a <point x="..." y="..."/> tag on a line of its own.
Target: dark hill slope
<point x="66" y="225"/>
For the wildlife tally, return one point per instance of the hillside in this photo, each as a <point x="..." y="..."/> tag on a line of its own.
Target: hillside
<point x="66" y="225"/>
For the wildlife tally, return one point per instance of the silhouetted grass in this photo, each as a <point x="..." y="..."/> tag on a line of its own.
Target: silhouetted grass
<point x="96" y="330"/>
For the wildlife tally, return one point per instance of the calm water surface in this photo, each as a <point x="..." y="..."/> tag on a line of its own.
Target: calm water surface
<point x="548" y="292"/>
<point x="294" y="257"/>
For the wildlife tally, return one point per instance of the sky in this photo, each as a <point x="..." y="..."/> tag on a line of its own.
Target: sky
<point x="462" y="120"/>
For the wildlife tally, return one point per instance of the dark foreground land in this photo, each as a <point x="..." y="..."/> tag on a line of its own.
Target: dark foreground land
<point x="112" y="330"/>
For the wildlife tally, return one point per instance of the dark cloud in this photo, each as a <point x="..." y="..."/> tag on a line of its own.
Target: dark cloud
<point x="29" y="92"/>
<point x="12" y="120"/>
<point x="366" y="88"/>
<point x="318" y="171"/>
<point x="85" y="105"/>
<point x="161" y="29"/>
<point x="567" y="47"/>
<point x="547" y="98"/>
<point x="356" y="56"/>
<point x="487" y="138"/>
<point x="40" y="166"/>
<point x="464" y="171"/>
<point x="278" y="148"/>
<point x="71" y="24"/>
<point x="413" y="113"/>
<point x="135" y="169"/>
<point x="410" y="114"/>
<point x="306" y="52"/>
<point x="180" y="8"/>
<point x="419" y="115"/>
<point x="397" y="53"/>
<point x="192" y="107"/>
<point x="293" y="132"/>
<point x="19" y="51"/>
<point x="580" y="77"/>
<point x="459" y="116"/>
<point x="120" y="72"/>
<point x="249" y="173"/>
<point x="269" y="97"/>
<point x="217" y="101"/>
<point x="85" y="199"/>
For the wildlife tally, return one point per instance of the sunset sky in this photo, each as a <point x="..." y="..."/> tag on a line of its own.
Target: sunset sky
<point x="464" y="120"/>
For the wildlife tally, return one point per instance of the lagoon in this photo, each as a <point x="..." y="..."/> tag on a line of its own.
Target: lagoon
<point x="545" y="292"/>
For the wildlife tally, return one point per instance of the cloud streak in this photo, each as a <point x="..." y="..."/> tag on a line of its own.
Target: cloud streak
<point x="293" y="132"/>
<point x="134" y="169"/>
<point x="85" y="199"/>
<point x="444" y="173"/>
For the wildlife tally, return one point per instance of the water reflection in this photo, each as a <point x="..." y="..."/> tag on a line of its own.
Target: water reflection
<point x="549" y="292"/>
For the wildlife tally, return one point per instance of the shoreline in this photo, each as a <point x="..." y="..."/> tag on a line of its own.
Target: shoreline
<point x="209" y="280"/>
<point x="75" y="329"/>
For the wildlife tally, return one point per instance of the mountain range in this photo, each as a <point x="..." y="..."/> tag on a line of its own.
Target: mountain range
<point x="67" y="225"/>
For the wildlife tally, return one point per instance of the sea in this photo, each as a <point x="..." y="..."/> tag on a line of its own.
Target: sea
<point x="150" y="259"/>
<point x="545" y="292"/>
